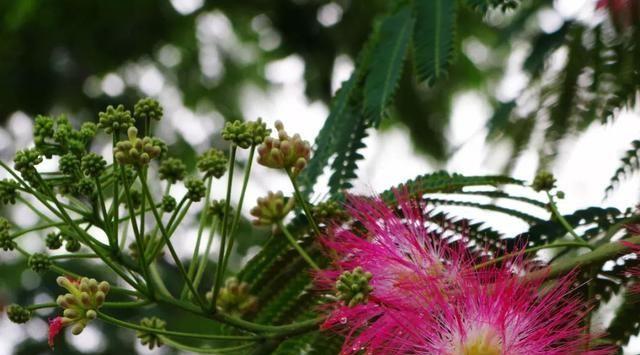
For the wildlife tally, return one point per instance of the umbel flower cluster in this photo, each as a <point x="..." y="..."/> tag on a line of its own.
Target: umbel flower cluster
<point x="402" y="289"/>
<point x="387" y="282"/>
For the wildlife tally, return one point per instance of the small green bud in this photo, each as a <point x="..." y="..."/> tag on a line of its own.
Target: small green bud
<point x="151" y="339"/>
<point x="544" y="181"/>
<point x="93" y="165"/>
<point x="6" y="241"/>
<point x="8" y="192"/>
<point x="26" y="160"/>
<point x="69" y="164"/>
<point x="271" y="209"/>
<point x="88" y="130"/>
<point x="39" y="262"/>
<point x="327" y="211"/>
<point x="168" y="203"/>
<point x="136" y="151"/>
<point x="71" y="244"/>
<point x="239" y="133"/>
<point x="560" y="194"/>
<point x="284" y="152"/>
<point x="172" y="170"/>
<point x="43" y="128"/>
<point x="81" y="303"/>
<point x="115" y="119"/>
<point x="147" y="108"/>
<point x="353" y="287"/>
<point x="136" y="199"/>
<point x="18" y="314"/>
<point x="216" y="208"/>
<point x="53" y="241"/>
<point x="195" y="189"/>
<point x="85" y="187"/>
<point x="234" y="298"/>
<point x="258" y="131"/>
<point x="213" y="163"/>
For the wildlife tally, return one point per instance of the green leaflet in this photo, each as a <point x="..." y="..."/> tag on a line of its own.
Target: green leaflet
<point x="630" y="163"/>
<point x="433" y="37"/>
<point x="325" y="144"/>
<point x="485" y="206"/>
<point x="351" y="134"/>
<point x="384" y="72"/>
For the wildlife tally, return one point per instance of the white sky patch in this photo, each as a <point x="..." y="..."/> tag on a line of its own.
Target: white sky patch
<point x="329" y="14"/>
<point x="342" y="69"/>
<point x="289" y="70"/>
<point x="112" y="84"/>
<point x="186" y="7"/>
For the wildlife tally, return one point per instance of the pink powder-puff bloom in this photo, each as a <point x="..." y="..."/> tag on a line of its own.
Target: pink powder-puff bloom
<point x="398" y="248"/>
<point x="498" y="313"/>
<point x="55" y="326"/>
<point x="634" y="248"/>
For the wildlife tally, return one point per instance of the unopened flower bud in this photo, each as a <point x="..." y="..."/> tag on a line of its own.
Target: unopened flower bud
<point x="272" y="209"/>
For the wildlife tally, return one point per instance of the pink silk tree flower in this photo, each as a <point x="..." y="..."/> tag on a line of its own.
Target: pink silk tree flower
<point x="55" y="326"/>
<point x="497" y="313"/>
<point x="397" y="249"/>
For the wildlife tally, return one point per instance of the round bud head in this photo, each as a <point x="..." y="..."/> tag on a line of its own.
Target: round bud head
<point x="544" y="181"/>
<point x="136" y="151"/>
<point x="115" y="119"/>
<point x="93" y="165"/>
<point x="195" y="189"/>
<point x="327" y="211"/>
<point x="85" y="187"/>
<point x="286" y="152"/>
<point x="8" y="192"/>
<point x="213" y="163"/>
<point x="271" y="209"/>
<point x="353" y="287"/>
<point x="148" y="109"/>
<point x="71" y="244"/>
<point x="26" y="160"/>
<point x="172" y="170"/>
<point x="53" y="241"/>
<point x="258" y="131"/>
<point x="151" y="339"/>
<point x="239" y="133"/>
<point x="168" y="203"/>
<point x="6" y="241"/>
<point x="18" y="314"/>
<point x="39" y="262"/>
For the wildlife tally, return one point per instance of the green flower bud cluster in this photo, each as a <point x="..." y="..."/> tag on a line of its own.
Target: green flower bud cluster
<point x="136" y="199"/>
<point x="544" y="181"/>
<point x="150" y="339"/>
<point x="85" y="297"/>
<point x="115" y="119"/>
<point x="330" y="210"/>
<point x="271" y="209"/>
<point x="147" y="109"/>
<point x="136" y="151"/>
<point x="69" y="164"/>
<point x="284" y="152"/>
<point x="8" y="192"/>
<point x="6" y="240"/>
<point x="216" y="208"/>
<point x="85" y="187"/>
<point x="53" y="241"/>
<point x="353" y="287"/>
<point x="168" y="203"/>
<point x="57" y="136"/>
<point x="195" y="189"/>
<point x="72" y="244"/>
<point x="245" y="134"/>
<point x="39" y="262"/>
<point x="213" y="163"/>
<point x="234" y="298"/>
<point x="25" y="161"/>
<point x="172" y="170"/>
<point x="18" y="314"/>
<point x="93" y="165"/>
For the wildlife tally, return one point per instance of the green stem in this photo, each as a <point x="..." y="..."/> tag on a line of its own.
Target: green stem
<point x="73" y="256"/>
<point x="297" y="246"/>
<point x="303" y="204"/>
<point x="107" y="227"/>
<point x="198" y="350"/>
<point x="123" y="324"/>
<point x="116" y="203"/>
<point x="565" y="224"/>
<point x="39" y="227"/>
<point x="236" y="217"/>
<point x="598" y="256"/>
<point x="225" y="222"/>
<point x="527" y="251"/>
<point x="202" y="265"/>
<point x="196" y="250"/>
<point x="136" y="232"/>
<point x="172" y="250"/>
